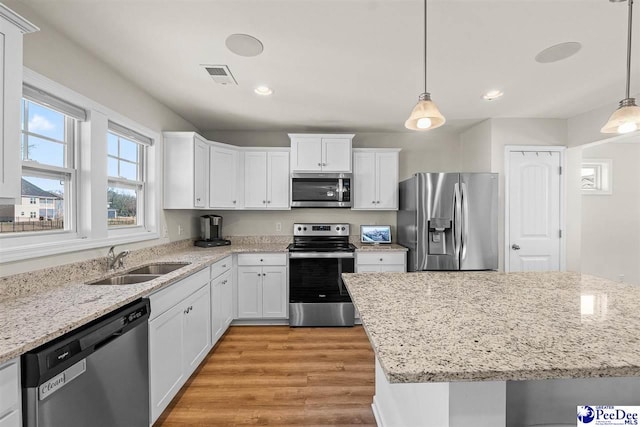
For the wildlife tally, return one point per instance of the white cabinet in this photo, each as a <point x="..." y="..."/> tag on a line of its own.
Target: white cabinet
<point x="262" y="286"/>
<point x="186" y="171"/>
<point x="266" y="179"/>
<point x="10" y="394"/>
<point x="12" y="28"/>
<point x="375" y="176"/>
<point x="179" y="336"/>
<point x="379" y="261"/>
<point x="221" y="298"/>
<point x="321" y="152"/>
<point x="224" y="167"/>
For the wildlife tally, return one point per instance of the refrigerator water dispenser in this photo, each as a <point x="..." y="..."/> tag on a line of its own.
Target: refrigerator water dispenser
<point x="439" y="228"/>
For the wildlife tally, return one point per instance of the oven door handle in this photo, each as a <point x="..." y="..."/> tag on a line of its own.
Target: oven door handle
<point x="321" y="255"/>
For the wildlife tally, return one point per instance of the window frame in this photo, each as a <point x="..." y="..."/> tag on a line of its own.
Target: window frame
<point x="91" y="181"/>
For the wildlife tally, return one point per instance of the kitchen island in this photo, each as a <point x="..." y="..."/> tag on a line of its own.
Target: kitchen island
<point x="489" y="349"/>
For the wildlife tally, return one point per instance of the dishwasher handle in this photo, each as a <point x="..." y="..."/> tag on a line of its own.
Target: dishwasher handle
<point x="103" y="334"/>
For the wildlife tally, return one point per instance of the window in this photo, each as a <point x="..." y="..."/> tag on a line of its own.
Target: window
<point x="126" y="176"/>
<point x="596" y="176"/>
<point x="47" y="147"/>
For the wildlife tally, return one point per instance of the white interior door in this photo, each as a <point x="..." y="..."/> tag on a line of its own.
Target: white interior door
<point x="534" y="211"/>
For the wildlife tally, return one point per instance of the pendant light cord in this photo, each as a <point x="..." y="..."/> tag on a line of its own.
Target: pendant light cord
<point x="628" y="47"/>
<point x="425" y="46"/>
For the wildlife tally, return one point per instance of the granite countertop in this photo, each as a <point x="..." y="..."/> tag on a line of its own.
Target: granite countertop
<point x="360" y="247"/>
<point x="475" y="326"/>
<point x="49" y="310"/>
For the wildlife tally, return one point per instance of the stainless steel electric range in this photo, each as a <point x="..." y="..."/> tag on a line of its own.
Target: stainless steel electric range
<point x="318" y="256"/>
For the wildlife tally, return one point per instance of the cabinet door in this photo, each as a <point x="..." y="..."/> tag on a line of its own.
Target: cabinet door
<point x="11" y="91"/>
<point x="306" y="154"/>
<point x="364" y="180"/>
<point x="249" y="292"/>
<point x="274" y="292"/>
<point x="336" y="155"/>
<point x="226" y="298"/>
<point x="216" y="309"/>
<point x="387" y="180"/>
<point x="166" y="363"/>
<point x="10" y="394"/>
<point x="367" y="268"/>
<point x="255" y="179"/>
<point x="12" y="419"/>
<point x="223" y="168"/>
<point x="200" y="174"/>
<point x="278" y="181"/>
<point x="197" y="328"/>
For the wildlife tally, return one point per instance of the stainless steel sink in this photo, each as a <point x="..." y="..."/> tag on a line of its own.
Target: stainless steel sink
<point x="158" y="268"/>
<point x="125" y="279"/>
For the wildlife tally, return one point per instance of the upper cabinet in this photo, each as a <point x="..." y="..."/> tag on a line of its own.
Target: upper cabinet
<point x="266" y="179"/>
<point x="224" y="174"/>
<point x="186" y="171"/>
<point x="321" y="152"/>
<point x="375" y="177"/>
<point x="12" y="28"/>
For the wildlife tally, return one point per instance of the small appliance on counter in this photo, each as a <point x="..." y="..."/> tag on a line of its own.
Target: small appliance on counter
<point x="375" y="234"/>
<point x="211" y="232"/>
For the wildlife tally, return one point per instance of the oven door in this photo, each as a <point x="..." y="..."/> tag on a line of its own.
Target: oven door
<point x="321" y="190"/>
<point x="316" y="277"/>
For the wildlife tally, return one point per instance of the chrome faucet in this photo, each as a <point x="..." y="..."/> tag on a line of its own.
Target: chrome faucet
<point x="112" y="258"/>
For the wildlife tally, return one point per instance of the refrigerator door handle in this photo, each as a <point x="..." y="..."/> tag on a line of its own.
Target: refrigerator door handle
<point x="457" y="214"/>
<point x="465" y="222"/>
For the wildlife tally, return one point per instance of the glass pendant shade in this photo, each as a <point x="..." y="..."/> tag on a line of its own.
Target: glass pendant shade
<point x="425" y="115"/>
<point x="625" y="119"/>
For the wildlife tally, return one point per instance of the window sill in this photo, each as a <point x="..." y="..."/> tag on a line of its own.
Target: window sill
<point x="12" y="254"/>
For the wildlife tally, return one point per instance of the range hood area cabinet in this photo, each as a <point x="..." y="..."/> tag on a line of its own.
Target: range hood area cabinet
<point x="266" y="179"/>
<point x="321" y="153"/>
<point x="200" y="174"/>
<point x="375" y="178"/>
<point x="12" y="28"/>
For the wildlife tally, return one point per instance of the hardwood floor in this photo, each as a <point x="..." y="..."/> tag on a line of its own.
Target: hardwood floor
<point x="276" y="375"/>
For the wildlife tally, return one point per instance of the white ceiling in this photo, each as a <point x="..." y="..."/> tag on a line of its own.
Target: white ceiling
<point x="356" y="65"/>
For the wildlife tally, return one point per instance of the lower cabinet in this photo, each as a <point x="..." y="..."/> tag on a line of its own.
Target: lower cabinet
<point x="179" y="337"/>
<point x="10" y="394"/>
<point x="262" y="286"/>
<point x="378" y="262"/>
<point x="221" y="298"/>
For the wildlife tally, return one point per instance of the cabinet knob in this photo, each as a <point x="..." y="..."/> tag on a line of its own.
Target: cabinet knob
<point x="374" y="202"/>
<point x="224" y="265"/>
<point x="268" y="201"/>
<point x="259" y="274"/>
<point x="224" y="282"/>
<point x="380" y="259"/>
<point x="198" y="199"/>
<point x="261" y="260"/>
<point x="234" y="202"/>
<point x="319" y="164"/>
<point x="264" y="202"/>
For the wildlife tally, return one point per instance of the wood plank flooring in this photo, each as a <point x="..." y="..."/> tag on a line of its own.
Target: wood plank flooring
<point x="276" y="375"/>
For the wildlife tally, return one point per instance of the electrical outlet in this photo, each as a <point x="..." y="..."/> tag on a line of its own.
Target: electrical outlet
<point x="278" y="226"/>
<point x="180" y="229"/>
<point x="621" y="278"/>
<point x="165" y="231"/>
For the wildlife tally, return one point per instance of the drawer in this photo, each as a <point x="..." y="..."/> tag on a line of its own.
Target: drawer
<point x="262" y="259"/>
<point x="381" y="258"/>
<point x="9" y="387"/>
<point x="166" y="298"/>
<point x="220" y="267"/>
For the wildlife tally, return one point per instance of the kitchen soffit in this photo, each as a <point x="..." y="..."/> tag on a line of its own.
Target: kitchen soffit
<point x="352" y="65"/>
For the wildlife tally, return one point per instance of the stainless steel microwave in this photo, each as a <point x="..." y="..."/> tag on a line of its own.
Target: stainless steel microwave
<point x="321" y="190"/>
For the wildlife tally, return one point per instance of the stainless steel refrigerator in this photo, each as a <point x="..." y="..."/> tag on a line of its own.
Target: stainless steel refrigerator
<point x="449" y="221"/>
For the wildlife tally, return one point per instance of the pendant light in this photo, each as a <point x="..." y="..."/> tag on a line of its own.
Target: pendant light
<point x="425" y="115"/>
<point x="627" y="117"/>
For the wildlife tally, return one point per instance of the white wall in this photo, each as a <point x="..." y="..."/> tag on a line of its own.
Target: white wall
<point x="50" y="53"/>
<point x="610" y="244"/>
<point x="475" y="148"/>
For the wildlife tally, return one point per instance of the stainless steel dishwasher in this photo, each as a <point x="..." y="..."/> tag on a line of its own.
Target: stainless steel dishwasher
<point x="97" y="375"/>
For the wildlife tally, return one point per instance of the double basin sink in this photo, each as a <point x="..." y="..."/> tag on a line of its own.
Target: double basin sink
<point x="140" y="274"/>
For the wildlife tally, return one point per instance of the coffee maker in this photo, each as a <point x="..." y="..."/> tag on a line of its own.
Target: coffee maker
<point x="211" y="232"/>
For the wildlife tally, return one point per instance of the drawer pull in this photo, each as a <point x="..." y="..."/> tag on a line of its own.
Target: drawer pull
<point x="380" y="259"/>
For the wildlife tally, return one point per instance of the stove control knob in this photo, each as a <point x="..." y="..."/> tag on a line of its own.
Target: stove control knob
<point x="299" y="228"/>
<point x="305" y="229"/>
<point x="343" y="228"/>
<point x="337" y="228"/>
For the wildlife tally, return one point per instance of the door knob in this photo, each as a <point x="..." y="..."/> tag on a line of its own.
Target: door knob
<point x="515" y="247"/>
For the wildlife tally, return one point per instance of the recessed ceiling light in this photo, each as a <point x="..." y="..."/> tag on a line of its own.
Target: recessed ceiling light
<point x="244" y="45"/>
<point x="492" y="94"/>
<point x="558" y="52"/>
<point x="263" y="90"/>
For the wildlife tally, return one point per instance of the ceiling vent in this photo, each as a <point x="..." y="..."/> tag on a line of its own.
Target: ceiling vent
<point x="220" y="74"/>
